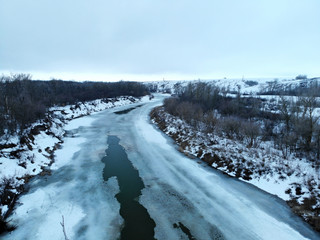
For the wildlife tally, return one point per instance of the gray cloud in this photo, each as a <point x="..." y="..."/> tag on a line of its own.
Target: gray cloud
<point x="204" y="38"/>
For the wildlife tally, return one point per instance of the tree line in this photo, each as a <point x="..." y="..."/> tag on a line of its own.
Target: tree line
<point x="291" y="123"/>
<point x="305" y="87"/>
<point x="24" y="101"/>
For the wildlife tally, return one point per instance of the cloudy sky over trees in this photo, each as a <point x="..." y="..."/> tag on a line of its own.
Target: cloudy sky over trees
<point x="143" y="39"/>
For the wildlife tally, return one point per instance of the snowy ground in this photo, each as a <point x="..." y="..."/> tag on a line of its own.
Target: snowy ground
<point x="178" y="189"/>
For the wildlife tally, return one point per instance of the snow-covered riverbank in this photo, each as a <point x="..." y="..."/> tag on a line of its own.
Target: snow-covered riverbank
<point x="293" y="179"/>
<point x="35" y="152"/>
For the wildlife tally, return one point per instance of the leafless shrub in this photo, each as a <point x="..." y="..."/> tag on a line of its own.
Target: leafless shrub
<point x="64" y="229"/>
<point x="251" y="132"/>
<point x="210" y="120"/>
<point x="230" y="126"/>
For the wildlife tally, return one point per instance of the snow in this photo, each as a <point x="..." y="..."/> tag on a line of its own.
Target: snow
<point x="78" y="122"/>
<point x="63" y="156"/>
<point x="45" y="140"/>
<point x="51" y="211"/>
<point x="4" y="209"/>
<point x="269" y="184"/>
<point x="177" y="189"/>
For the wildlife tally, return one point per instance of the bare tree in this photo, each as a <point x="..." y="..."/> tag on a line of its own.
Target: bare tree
<point x="309" y="119"/>
<point x="285" y="107"/>
<point x="251" y="132"/>
<point x="317" y="141"/>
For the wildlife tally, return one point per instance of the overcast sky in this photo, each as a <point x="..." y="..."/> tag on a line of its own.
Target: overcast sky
<point x="155" y="39"/>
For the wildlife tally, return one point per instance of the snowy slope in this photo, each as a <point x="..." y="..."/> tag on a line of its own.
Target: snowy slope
<point x="246" y="86"/>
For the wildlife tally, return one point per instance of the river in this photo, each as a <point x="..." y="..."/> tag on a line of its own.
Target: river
<point x="124" y="179"/>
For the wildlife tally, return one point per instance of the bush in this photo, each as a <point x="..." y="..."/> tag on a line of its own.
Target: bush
<point x="230" y="126"/>
<point x="170" y="105"/>
<point x="251" y="132"/>
<point x="8" y="197"/>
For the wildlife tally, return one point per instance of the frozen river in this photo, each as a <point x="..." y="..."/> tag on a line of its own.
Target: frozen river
<point x="178" y="197"/>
